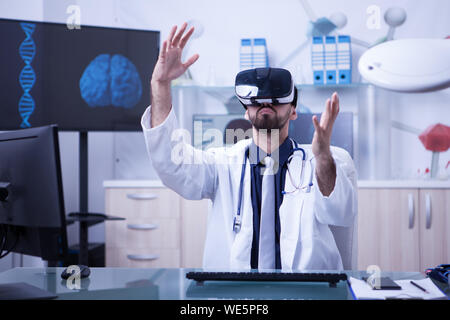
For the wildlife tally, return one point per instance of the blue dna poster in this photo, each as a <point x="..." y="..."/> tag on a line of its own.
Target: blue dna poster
<point x="93" y="78"/>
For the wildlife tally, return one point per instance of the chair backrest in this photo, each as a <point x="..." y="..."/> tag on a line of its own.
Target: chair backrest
<point x="302" y="130"/>
<point x="346" y="238"/>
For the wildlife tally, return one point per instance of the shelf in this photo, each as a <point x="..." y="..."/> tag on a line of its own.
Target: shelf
<point x="226" y="94"/>
<point x="355" y="85"/>
<point x="308" y="86"/>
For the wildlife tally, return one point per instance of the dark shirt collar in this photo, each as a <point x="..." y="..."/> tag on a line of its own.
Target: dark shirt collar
<point x="257" y="155"/>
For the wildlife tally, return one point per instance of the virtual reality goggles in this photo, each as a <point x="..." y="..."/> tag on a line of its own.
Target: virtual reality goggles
<point x="265" y="85"/>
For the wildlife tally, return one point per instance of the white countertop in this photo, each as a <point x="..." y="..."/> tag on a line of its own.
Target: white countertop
<point x="426" y="184"/>
<point x="404" y="184"/>
<point x="133" y="184"/>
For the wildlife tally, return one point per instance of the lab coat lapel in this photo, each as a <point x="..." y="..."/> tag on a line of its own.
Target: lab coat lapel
<point x="290" y="214"/>
<point x="242" y="244"/>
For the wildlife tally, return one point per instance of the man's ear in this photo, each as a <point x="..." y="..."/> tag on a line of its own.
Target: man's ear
<point x="246" y="115"/>
<point x="294" y="114"/>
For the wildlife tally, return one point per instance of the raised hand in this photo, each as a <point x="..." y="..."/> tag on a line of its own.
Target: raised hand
<point x="322" y="135"/>
<point x="169" y="65"/>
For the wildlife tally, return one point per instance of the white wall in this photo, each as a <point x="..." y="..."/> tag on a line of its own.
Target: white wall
<point x="282" y="23"/>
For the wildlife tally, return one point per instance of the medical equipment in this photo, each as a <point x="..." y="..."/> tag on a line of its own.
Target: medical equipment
<point x="307" y="188"/>
<point x="264" y="85"/>
<point x="299" y="186"/>
<point x="440" y="273"/>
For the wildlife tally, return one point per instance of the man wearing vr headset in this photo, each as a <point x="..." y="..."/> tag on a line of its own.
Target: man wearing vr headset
<point x="283" y="223"/>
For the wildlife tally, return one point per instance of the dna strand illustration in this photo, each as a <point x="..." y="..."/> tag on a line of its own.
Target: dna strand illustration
<point x="27" y="76"/>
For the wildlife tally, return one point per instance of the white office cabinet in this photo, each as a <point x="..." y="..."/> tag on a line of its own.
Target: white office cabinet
<point x="402" y="228"/>
<point x="434" y="227"/>
<point x="388" y="231"/>
<point x="161" y="229"/>
<point x="150" y="234"/>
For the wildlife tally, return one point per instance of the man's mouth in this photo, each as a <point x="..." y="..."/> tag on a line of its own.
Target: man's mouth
<point x="266" y="110"/>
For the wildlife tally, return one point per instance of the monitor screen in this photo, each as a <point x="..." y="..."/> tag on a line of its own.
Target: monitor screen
<point x="32" y="217"/>
<point x="87" y="79"/>
<point x="302" y="130"/>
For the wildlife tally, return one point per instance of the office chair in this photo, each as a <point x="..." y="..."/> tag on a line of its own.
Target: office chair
<point x="346" y="238"/>
<point x="347" y="242"/>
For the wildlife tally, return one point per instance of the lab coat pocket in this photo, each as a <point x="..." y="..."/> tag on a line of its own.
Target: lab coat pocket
<point x="290" y="217"/>
<point x="309" y="223"/>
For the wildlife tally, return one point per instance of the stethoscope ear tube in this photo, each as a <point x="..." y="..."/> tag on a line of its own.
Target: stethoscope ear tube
<point x="237" y="216"/>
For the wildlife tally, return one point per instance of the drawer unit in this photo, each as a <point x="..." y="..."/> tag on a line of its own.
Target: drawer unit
<point x="154" y="233"/>
<point x="142" y="203"/>
<point x="142" y="258"/>
<point x="150" y="234"/>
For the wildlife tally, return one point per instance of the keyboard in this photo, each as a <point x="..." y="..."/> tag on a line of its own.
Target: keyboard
<point x="331" y="278"/>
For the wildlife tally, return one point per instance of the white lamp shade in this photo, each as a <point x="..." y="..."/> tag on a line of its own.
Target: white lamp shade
<point x="408" y="65"/>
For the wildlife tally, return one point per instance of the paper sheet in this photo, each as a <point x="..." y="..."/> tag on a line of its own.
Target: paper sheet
<point x="363" y="291"/>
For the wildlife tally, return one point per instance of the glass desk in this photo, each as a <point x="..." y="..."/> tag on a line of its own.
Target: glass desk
<point x="172" y="284"/>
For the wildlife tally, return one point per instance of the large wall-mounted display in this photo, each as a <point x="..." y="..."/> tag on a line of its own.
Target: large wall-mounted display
<point x="92" y="78"/>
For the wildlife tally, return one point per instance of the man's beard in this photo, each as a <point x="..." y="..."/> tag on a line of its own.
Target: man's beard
<point x="269" y="122"/>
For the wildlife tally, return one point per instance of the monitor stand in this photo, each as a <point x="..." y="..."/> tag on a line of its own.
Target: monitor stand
<point x="23" y="291"/>
<point x="84" y="192"/>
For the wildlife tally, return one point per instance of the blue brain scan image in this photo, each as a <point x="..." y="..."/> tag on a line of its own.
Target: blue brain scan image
<point x="111" y="80"/>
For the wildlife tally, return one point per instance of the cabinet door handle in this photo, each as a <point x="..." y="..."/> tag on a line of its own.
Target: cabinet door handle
<point x="142" y="226"/>
<point x="143" y="257"/>
<point x="411" y="210"/>
<point x="428" y="210"/>
<point x="142" y="196"/>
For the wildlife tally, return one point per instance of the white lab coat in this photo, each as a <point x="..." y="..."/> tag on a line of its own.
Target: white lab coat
<point x="306" y="241"/>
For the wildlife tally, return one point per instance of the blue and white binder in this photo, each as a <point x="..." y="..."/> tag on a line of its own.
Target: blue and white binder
<point x="330" y="60"/>
<point x="344" y="60"/>
<point x="318" y="60"/>
<point x="246" y="54"/>
<point x="260" y="57"/>
<point x="253" y="54"/>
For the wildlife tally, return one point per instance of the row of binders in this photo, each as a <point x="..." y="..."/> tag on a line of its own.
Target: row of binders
<point x="331" y="59"/>
<point x="253" y="54"/>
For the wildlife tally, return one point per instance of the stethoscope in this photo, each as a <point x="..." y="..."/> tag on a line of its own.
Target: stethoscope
<point x="238" y="218"/>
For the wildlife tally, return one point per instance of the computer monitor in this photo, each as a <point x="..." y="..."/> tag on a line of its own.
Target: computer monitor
<point x="302" y="130"/>
<point x="32" y="214"/>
